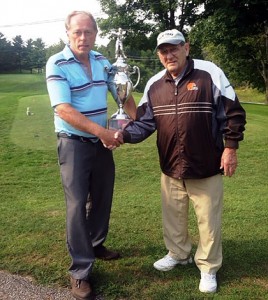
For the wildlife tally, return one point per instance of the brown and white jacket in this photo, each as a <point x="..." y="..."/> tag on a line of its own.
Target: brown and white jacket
<point x="194" y="118"/>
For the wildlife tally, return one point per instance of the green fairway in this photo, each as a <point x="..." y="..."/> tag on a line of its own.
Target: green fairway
<point x="32" y="225"/>
<point x="33" y="131"/>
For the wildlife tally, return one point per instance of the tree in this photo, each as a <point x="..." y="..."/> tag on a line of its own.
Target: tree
<point x="18" y="48"/>
<point x="234" y="34"/>
<point x="54" y="49"/>
<point x="39" y="54"/>
<point x="5" y="54"/>
<point x="20" y="55"/>
<point x="28" y="59"/>
<point x="142" y="20"/>
<point x="34" y="55"/>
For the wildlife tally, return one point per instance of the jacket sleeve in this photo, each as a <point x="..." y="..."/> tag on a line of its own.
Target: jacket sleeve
<point x="235" y="122"/>
<point x="231" y="113"/>
<point x="144" y="125"/>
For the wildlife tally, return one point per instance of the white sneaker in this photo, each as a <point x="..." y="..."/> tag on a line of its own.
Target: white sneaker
<point x="167" y="263"/>
<point x="208" y="283"/>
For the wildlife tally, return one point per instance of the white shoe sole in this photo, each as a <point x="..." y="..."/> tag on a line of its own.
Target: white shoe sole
<point x="164" y="269"/>
<point x="207" y="291"/>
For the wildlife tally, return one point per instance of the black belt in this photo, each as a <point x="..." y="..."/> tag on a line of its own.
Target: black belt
<point x="76" y="137"/>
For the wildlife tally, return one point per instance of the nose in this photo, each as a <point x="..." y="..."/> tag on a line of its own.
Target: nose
<point x="83" y="36"/>
<point x="169" y="54"/>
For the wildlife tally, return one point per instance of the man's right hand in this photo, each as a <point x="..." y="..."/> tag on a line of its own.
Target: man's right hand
<point x="111" y="139"/>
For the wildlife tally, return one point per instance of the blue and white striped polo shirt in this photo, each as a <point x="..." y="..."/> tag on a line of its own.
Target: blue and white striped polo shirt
<point x="68" y="82"/>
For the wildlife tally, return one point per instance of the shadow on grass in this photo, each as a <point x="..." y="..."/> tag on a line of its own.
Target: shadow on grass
<point x="245" y="259"/>
<point x="244" y="272"/>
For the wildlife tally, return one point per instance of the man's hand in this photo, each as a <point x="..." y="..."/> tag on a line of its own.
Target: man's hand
<point x="229" y="161"/>
<point x="79" y="121"/>
<point x="111" y="139"/>
<point x="119" y="136"/>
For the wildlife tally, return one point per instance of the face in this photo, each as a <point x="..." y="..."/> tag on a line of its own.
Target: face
<point x="173" y="57"/>
<point x="82" y="35"/>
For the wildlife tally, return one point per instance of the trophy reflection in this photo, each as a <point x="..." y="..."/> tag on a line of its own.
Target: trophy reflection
<point x="121" y="84"/>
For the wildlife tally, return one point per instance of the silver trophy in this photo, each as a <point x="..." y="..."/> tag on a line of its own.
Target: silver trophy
<point x="121" y="84"/>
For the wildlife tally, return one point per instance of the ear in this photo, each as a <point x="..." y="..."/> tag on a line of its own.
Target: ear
<point x="187" y="48"/>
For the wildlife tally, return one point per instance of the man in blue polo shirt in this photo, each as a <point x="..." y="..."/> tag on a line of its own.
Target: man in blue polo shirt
<point x="78" y="82"/>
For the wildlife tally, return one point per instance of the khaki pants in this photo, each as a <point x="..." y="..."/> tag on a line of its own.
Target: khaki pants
<point x="207" y="198"/>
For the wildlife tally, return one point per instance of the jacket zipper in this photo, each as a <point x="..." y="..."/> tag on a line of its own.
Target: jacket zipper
<point x="177" y="116"/>
<point x="176" y="92"/>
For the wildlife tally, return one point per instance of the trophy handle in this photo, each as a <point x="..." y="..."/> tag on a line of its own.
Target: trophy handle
<point x="136" y="70"/>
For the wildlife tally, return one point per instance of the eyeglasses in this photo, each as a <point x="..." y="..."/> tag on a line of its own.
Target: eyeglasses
<point x="172" y="51"/>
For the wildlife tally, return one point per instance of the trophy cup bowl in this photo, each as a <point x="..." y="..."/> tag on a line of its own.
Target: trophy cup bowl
<point x="121" y="85"/>
<point x="124" y="89"/>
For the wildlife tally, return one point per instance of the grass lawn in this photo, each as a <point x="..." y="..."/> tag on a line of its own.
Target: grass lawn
<point x="32" y="225"/>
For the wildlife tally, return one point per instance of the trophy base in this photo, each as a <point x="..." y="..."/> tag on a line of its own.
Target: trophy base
<point x="117" y="124"/>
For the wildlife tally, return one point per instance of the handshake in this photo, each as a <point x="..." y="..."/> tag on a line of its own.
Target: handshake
<point x="112" y="139"/>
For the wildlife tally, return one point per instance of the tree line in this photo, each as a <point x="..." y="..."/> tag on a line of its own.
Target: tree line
<point x="17" y="55"/>
<point x="231" y="33"/>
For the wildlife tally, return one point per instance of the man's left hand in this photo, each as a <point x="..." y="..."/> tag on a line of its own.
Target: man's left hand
<point x="229" y="161"/>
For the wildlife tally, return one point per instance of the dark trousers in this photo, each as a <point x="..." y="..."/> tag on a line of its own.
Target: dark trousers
<point x="87" y="172"/>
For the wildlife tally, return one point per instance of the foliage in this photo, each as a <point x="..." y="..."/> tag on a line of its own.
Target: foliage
<point x="6" y="54"/>
<point x="55" y="49"/>
<point x="18" y="55"/>
<point x="33" y="210"/>
<point x="234" y="34"/>
<point x="142" y="20"/>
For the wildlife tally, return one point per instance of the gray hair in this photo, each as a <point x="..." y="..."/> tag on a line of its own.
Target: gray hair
<point x="75" y="13"/>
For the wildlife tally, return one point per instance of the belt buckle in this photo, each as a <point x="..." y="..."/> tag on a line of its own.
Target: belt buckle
<point x="83" y="139"/>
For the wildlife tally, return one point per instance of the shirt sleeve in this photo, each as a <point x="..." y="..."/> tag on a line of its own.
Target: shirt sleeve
<point x="57" y="84"/>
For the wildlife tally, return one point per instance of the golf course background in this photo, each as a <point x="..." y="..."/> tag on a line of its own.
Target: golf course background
<point x="32" y="224"/>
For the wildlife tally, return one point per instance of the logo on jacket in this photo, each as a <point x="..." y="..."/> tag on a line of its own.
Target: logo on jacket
<point x="191" y="86"/>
